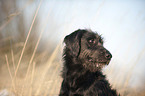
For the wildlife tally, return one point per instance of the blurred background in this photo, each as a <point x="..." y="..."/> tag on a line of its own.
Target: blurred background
<point x="31" y="43"/>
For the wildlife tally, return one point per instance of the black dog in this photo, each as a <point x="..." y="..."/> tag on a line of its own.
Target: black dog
<point x="84" y="56"/>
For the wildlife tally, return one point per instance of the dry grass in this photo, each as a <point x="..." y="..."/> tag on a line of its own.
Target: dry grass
<point x="39" y="80"/>
<point x="23" y="76"/>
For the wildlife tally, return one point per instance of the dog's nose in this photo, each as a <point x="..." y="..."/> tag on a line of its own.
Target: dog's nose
<point x="108" y="55"/>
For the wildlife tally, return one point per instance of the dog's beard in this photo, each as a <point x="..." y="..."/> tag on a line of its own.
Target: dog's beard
<point x="94" y="66"/>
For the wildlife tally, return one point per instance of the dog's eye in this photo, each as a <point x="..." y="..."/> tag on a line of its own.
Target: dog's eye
<point x="92" y="41"/>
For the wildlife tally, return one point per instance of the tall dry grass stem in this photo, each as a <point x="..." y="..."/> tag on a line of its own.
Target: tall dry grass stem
<point x="9" y="18"/>
<point x="13" y="85"/>
<point x="32" y="77"/>
<point x="27" y="38"/>
<point x="13" y="60"/>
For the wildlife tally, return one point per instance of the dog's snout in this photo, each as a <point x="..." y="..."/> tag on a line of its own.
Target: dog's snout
<point x="108" y="55"/>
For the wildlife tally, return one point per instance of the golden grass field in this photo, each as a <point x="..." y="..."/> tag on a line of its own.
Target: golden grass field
<point x="27" y="71"/>
<point x="38" y="77"/>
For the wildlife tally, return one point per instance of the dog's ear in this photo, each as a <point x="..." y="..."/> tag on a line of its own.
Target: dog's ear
<point x="73" y="41"/>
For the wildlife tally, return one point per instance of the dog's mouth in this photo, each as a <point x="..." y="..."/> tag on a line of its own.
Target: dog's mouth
<point x="104" y="62"/>
<point x="98" y="61"/>
<point x="95" y="64"/>
<point x="100" y="65"/>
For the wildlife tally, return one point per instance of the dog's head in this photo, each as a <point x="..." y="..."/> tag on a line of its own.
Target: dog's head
<point x="87" y="47"/>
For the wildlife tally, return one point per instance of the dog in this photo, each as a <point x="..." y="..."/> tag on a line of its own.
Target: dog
<point x="84" y="56"/>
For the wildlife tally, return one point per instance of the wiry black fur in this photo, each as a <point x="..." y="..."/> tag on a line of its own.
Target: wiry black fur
<point x="84" y="56"/>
